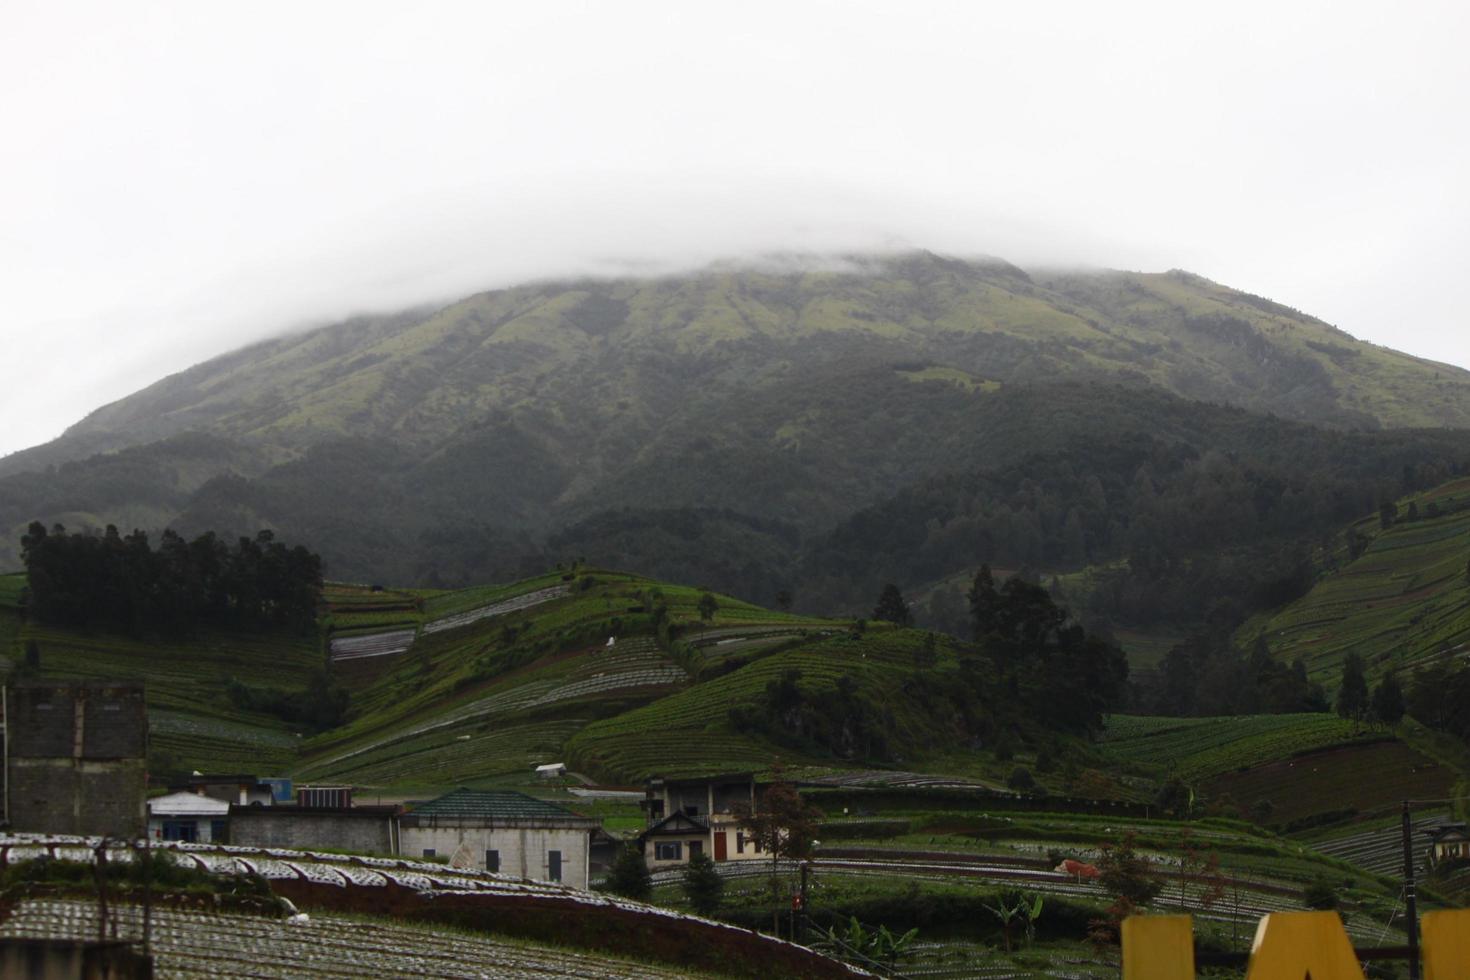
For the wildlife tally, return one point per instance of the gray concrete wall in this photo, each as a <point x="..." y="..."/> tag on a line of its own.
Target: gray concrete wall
<point x="291" y="827"/>
<point x="523" y="850"/>
<point x="74" y="796"/>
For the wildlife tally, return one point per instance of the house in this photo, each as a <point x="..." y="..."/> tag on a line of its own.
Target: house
<point x="189" y="817"/>
<point x="690" y="816"/>
<point x="75" y="757"/>
<point x="1449" y="842"/>
<point x="503" y="831"/>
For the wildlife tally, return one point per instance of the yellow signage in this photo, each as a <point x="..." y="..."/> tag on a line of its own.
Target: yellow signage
<point x="1290" y="946"/>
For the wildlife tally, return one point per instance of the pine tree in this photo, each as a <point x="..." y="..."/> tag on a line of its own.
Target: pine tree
<point x="703" y="885"/>
<point x="892" y="607"/>
<point x="1352" y="696"/>
<point x="1388" y="701"/>
<point x="629" y="876"/>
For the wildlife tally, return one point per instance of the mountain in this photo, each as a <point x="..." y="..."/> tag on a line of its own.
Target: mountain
<point x="730" y="427"/>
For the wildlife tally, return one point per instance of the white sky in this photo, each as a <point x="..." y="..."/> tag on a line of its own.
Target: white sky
<point x="179" y="178"/>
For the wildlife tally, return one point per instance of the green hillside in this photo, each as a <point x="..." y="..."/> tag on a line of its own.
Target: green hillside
<point x="1403" y="601"/>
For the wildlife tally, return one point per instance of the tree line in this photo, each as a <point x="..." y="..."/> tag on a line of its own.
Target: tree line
<point x="116" y="582"/>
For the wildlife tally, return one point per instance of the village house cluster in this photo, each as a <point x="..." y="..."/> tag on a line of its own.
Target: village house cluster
<point x="75" y="762"/>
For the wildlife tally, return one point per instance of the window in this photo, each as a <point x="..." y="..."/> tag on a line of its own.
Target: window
<point x="739" y="842"/>
<point x="695" y="847"/>
<point x="185" y="830"/>
<point x="430" y="852"/>
<point x="219" y="831"/>
<point x="553" y="865"/>
<point x="670" y="850"/>
<point x="492" y="860"/>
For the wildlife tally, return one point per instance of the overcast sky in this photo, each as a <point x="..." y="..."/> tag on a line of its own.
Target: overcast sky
<point x="180" y="178"/>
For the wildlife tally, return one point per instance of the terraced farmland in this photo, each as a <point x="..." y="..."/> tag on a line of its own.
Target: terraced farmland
<point x="1377" y="845"/>
<point x="1200" y="748"/>
<point x="188" y="943"/>
<point x="1348" y="777"/>
<point x="689" y="731"/>
<point x="1404" y="600"/>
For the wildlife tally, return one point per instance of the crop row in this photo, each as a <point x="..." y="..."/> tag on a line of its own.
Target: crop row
<point x="191" y="944"/>
<point x="1218" y="745"/>
<point x="513" y="604"/>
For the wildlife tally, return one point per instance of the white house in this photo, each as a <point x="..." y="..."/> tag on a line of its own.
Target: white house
<point x="503" y="831"/>
<point x="189" y="817"/>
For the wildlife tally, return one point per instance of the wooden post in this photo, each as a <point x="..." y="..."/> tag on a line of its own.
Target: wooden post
<point x="1411" y="905"/>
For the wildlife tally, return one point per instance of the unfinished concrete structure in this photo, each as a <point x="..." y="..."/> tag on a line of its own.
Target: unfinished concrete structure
<point x="75" y="757"/>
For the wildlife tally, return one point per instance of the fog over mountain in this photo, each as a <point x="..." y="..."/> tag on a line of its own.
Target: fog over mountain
<point x="192" y="181"/>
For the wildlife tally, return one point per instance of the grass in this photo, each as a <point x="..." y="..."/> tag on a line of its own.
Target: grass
<point x="1403" y="602"/>
<point x="1199" y="748"/>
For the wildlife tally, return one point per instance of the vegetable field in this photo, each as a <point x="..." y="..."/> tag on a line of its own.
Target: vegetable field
<point x="1199" y="748"/>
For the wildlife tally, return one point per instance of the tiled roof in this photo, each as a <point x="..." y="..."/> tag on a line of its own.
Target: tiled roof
<point x="490" y="804"/>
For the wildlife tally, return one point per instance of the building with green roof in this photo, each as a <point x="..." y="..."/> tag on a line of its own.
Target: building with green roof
<point x="502" y="831"/>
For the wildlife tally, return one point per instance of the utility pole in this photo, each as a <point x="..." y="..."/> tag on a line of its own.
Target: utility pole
<point x="1410" y="903"/>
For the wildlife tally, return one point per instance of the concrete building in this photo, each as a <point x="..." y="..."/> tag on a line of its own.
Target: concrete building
<point x="502" y="831"/>
<point x="191" y="817"/>
<point x="75" y="757"/>
<point x="364" y="829"/>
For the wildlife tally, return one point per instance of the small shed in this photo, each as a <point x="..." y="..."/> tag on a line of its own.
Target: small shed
<point x="191" y="817"/>
<point x="552" y="770"/>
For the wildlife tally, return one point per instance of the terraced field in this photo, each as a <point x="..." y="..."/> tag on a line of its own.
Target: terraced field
<point x="192" y="719"/>
<point x="503" y="729"/>
<point x="1201" y="748"/>
<point x="1402" y="602"/>
<point x="690" y="731"/>
<point x="1349" y="777"/>
<point x="382" y="938"/>
<point x="1375" y="845"/>
<point x="190" y="943"/>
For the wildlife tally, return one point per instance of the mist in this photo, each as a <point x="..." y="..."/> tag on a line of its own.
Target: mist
<point x="188" y="179"/>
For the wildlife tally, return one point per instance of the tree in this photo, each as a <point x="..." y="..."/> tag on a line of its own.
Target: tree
<point x="1021" y="780"/>
<point x="1388" y="512"/>
<point x="1352" y="696"/>
<point x="33" y="656"/>
<point x="629" y="876"/>
<point x="1387" y="706"/>
<point x="784" y="826"/>
<point x="703" y="885"/>
<point x="984" y="602"/>
<point x="783" y="600"/>
<point x="708" y="606"/>
<point x="1127" y="874"/>
<point x="892" y="607"/>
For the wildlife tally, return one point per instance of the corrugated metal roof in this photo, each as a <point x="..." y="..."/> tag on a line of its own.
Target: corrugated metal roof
<point x="490" y="804"/>
<point x="186" y="804"/>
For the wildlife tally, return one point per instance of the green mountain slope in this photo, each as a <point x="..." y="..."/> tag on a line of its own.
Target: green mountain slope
<point x="731" y="427"/>
<point x="1398" y="597"/>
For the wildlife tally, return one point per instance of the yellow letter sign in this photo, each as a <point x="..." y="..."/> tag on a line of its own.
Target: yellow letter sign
<point x="1290" y="946"/>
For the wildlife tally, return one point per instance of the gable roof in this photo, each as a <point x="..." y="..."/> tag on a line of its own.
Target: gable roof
<point x="1452" y="831"/>
<point x="500" y="804"/>
<point x="677" y="823"/>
